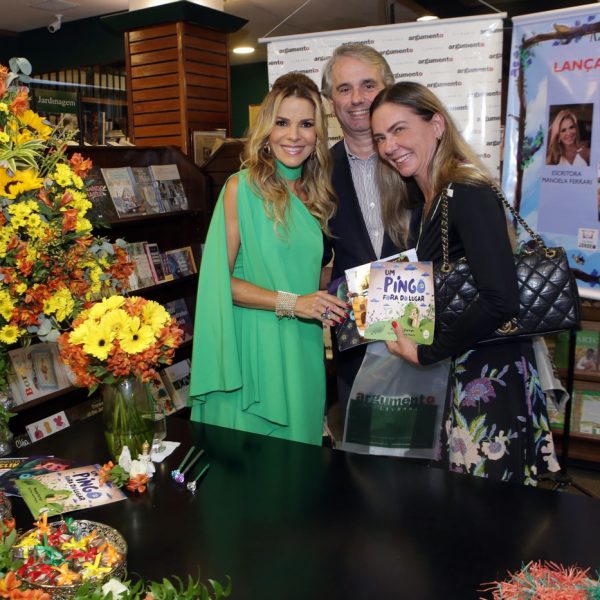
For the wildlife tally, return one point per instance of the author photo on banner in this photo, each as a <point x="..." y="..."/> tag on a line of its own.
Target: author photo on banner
<point x="569" y="135"/>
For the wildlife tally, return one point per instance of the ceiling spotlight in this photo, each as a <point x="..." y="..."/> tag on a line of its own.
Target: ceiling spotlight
<point x="243" y="50"/>
<point x="428" y="18"/>
<point x="55" y="25"/>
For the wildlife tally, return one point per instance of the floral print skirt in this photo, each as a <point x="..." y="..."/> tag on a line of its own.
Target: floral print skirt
<point x="496" y="423"/>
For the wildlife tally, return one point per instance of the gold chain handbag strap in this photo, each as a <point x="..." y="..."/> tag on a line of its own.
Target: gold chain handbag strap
<point x="445" y="267"/>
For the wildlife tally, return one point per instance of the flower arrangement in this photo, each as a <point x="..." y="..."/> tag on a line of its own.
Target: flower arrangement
<point x="14" y="585"/>
<point x="51" y="265"/>
<point x="546" y="581"/>
<point x="120" y="342"/>
<point x="120" y="337"/>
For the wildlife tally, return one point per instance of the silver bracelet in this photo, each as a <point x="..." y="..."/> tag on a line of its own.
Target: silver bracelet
<point x="285" y="305"/>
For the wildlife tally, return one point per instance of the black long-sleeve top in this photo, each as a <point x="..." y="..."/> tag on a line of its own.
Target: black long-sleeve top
<point x="477" y="231"/>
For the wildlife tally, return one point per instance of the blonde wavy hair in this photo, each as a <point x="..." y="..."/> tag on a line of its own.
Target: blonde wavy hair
<point x="554" y="146"/>
<point x="315" y="181"/>
<point x="453" y="161"/>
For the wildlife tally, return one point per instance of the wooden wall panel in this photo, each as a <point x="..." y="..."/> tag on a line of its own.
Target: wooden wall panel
<point x="179" y="82"/>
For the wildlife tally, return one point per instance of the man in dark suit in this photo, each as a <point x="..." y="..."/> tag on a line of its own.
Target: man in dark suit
<point x="352" y="77"/>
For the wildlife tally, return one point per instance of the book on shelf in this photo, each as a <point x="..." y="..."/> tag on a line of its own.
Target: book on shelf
<point x="586" y="351"/>
<point x="123" y="191"/>
<point x="170" y="186"/>
<point x="103" y="210"/>
<point x="401" y="292"/>
<point x="587" y="343"/>
<point x="139" y="257"/>
<point x="181" y="262"/>
<point x="161" y="397"/>
<point x="94" y="127"/>
<point x="586" y="412"/>
<point x="157" y="263"/>
<point x="65" y="491"/>
<point x="36" y="372"/>
<point x="177" y="381"/>
<point x="179" y="311"/>
<point x="147" y="187"/>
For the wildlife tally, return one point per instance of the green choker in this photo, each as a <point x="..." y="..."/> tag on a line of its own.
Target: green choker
<point x="289" y="173"/>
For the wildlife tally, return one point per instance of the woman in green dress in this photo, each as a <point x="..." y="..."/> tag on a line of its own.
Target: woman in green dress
<point x="258" y="361"/>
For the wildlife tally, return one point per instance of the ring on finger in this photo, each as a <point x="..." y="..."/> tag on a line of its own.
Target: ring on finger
<point x="326" y="314"/>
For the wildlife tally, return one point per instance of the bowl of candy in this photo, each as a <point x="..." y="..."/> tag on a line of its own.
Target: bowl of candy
<point x="59" y="557"/>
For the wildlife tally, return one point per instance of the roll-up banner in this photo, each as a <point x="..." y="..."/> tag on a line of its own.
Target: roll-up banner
<point x="551" y="168"/>
<point x="458" y="59"/>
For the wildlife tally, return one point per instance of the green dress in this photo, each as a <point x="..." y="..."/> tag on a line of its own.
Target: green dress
<point x="250" y="370"/>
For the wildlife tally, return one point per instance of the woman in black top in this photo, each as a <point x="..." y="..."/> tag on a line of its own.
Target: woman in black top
<point x="496" y="423"/>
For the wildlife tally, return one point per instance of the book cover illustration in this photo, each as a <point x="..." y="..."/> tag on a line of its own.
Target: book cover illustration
<point x="179" y="311"/>
<point x="161" y="397"/>
<point x="30" y="466"/>
<point x="181" y="262"/>
<point x="103" y="209"/>
<point x="68" y="490"/>
<point x="357" y="279"/>
<point x="401" y="292"/>
<point x="8" y="463"/>
<point x="169" y="186"/>
<point x="586" y="351"/>
<point x="123" y="191"/>
<point x="37" y="371"/>
<point x="147" y="188"/>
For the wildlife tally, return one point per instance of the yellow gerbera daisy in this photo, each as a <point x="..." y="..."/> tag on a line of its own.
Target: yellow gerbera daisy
<point x="115" y="320"/>
<point x="81" y="333"/>
<point x="9" y="334"/>
<point x="99" y="342"/>
<point x="155" y="315"/>
<point x="135" y="337"/>
<point x="101" y="308"/>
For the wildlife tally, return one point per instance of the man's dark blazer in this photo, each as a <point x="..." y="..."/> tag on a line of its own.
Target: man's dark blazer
<point x="351" y="246"/>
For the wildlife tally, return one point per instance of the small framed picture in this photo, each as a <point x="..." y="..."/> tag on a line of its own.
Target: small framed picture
<point x="205" y="143"/>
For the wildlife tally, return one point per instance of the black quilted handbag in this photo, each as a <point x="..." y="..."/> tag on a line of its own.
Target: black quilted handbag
<point x="548" y="296"/>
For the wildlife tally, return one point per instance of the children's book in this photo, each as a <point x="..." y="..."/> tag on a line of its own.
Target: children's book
<point x="37" y="372"/>
<point x="404" y="293"/>
<point x="64" y="491"/>
<point x="124" y="193"/>
<point x="179" y="311"/>
<point x="28" y="467"/>
<point x="169" y="186"/>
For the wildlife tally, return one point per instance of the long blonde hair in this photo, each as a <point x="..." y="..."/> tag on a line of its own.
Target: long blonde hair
<point x="315" y="181"/>
<point x="453" y="161"/>
<point x="554" y="147"/>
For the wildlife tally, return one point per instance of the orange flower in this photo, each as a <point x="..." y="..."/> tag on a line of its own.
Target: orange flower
<point x="80" y="165"/>
<point x="21" y="102"/>
<point x="8" y="585"/>
<point x="137" y="484"/>
<point x="69" y="220"/>
<point x="42" y="524"/>
<point x="104" y="472"/>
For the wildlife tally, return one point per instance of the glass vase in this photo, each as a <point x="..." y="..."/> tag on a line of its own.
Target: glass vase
<point x="128" y="416"/>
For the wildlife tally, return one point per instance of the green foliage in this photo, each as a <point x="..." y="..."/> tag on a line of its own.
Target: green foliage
<point x="167" y="589"/>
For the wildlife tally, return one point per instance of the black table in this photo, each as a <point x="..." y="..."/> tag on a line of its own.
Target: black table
<point x="292" y="521"/>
